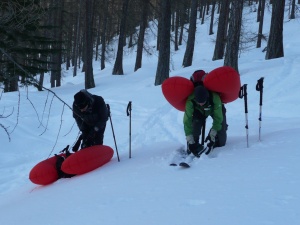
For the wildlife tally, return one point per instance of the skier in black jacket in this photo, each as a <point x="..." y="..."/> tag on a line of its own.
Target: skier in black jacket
<point x="91" y="114"/>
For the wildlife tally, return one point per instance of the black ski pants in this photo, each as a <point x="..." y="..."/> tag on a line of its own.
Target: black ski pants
<point x="198" y="123"/>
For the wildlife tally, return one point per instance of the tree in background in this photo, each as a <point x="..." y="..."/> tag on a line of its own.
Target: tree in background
<point x="261" y="13"/>
<point x="143" y="25"/>
<point x="89" y="76"/>
<point x="23" y="44"/>
<point x="222" y="30"/>
<point x="57" y="9"/>
<point x="118" y="67"/>
<point x="163" y="66"/>
<point x="234" y="33"/>
<point x="189" y="51"/>
<point x="275" y="41"/>
<point x="292" y="14"/>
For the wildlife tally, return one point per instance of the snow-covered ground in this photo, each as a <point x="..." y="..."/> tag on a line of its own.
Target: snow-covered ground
<point x="258" y="185"/>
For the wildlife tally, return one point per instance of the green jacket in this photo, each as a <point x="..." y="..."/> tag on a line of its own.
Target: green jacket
<point x="214" y="110"/>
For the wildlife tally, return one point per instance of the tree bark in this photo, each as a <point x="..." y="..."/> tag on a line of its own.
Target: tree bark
<point x="189" y="51"/>
<point x="275" y="42"/>
<point x="222" y="31"/>
<point x="234" y="33"/>
<point x="143" y="25"/>
<point x="163" y="66"/>
<point x="89" y="76"/>
<point x="261" y="23"/>
<point x="118" y="67"/>
<point x="103" y="34"/>
<point x="212" y="17"/>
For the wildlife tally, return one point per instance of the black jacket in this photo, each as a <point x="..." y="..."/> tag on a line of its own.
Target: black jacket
<point x="95" y="116"/>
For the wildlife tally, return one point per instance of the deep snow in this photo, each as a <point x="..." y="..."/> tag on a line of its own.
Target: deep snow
<point x="236" y="185"/>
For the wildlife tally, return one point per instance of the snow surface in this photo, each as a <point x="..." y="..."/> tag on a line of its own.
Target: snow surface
<point x="258" y="185"/>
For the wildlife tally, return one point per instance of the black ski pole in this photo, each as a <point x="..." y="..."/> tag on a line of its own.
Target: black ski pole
<point x="243" y="94"/>
<point x="112" y="128"/>
<point x="260" y="87"/>
<point x="129" y="108"/>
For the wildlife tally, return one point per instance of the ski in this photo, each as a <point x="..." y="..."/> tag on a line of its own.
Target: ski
<point x="187" y="162"/>
<point x="179" y="155"/>
<point x="184" y="165"/>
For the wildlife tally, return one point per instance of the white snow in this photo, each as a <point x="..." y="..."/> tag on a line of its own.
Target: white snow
<point x="237" y="185"/>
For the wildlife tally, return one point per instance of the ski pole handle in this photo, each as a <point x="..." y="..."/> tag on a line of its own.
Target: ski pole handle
<point x="108" y="109"/>
<point x="129" y="108"/>
<point x="243" y="94"/>
<point x="260" y="87"/>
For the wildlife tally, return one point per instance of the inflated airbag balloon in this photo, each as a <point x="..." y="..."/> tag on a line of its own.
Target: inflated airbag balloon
<point x="87" y="159"/>
<point x="176" y="91"/>
<point x="226" y="81"/>
<point x="44" y="172"/>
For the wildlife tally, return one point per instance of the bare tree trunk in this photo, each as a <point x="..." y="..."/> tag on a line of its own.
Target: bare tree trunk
<point x="104" y="33"/>
<point x="143" y="25"/>
<point x="259" y="11"/>
<point x="275" y="42"/>
<point x="89" y="76"/>
<point x="163" y="65"/>
<point x="203" y="11"/>
<point x="118" y="67"/>
<point x="222" y="30"/>
<point x="292" y="16"/>
<point x="57" y="57"/>
<point x="189" y="51"/>
<point x="212" y="17"/>
<point x="76" y="42"/>
<point x="41" y="81"/>
<point x="176" y="27"/>
<point x="234" y="33"/>
<point x="261" y="23"/>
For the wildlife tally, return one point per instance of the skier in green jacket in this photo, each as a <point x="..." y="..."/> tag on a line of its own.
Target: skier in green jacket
<point x="199" y="105"/>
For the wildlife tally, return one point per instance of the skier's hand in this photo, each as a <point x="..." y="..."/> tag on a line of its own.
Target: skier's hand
<point x="212" y="135"/>
<point x="76" y="146"/>
<point x="196" y="148"/>
<point x="190" y="139"/>
<point x="211" y="144"/>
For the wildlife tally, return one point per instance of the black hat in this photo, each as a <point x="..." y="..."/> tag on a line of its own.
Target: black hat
<point x="201" y="94"/>
<point x="81" y="100"/>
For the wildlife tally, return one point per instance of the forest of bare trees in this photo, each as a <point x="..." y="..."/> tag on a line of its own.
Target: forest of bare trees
<point x="40" y="36"/>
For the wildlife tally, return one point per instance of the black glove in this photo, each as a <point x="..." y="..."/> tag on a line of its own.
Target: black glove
<point x="211" y="144"/>
<point x="76" y="146"/>
<point x="196" y="149"/>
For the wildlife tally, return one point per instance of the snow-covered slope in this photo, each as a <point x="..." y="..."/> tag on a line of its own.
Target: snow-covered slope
<point x="238" y="185"/>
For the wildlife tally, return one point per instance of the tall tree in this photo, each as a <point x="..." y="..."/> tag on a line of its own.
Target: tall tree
<point x="118" y="67"/>
<point x="261" y="22"/>
<point x="222" y="30"/>
<point x="176" y="25"/>
<point x="212" y="17"/>
<point x="292" y="16"/>
<point x="58" y="9"/>
<point x="234" y="33"/>
<point x="76" y="37"/>
<point x="104" y="33"/>
<point x="189" y="51"/>
<point x="143" y="25"/>
<point x="275" y="41"/>
<point x="163" y="66"/>
<point x="89" y="76"/>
